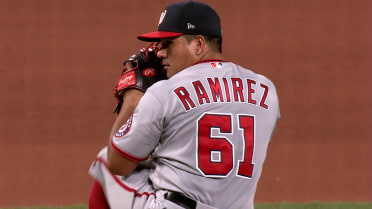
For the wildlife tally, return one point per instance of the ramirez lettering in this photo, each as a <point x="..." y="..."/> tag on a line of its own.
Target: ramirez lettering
<point x="216" y="90"/>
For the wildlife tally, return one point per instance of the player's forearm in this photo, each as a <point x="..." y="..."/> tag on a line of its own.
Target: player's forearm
<point x="117" y="164"/>
<point x="131" y="99"/>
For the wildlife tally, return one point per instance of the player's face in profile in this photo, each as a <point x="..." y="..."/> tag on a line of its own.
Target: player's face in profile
<point x="176" y="54"/>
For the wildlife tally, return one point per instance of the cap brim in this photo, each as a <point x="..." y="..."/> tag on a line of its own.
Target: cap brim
<point x="157" y="35"/>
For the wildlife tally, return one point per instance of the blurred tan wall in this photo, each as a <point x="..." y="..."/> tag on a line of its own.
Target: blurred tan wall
<point x="59" y="61"/>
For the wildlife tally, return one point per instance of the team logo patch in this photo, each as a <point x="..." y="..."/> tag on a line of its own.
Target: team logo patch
<point x="162" y="16"/>
<point x="216" y="64"/>
<point x="127" y="79"/>
<point x="149" y="72"/>
<point x="125" y="128"/>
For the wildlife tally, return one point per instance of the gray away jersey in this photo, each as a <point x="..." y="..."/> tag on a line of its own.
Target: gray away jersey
<point x="207" y="130"/>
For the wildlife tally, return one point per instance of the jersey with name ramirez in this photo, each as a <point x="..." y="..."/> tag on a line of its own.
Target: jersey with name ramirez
<point x="206" y="130"/>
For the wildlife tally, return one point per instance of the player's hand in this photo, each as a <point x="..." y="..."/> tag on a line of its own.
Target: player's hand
<point x="133" y="95"/>
<point x="140" y="72"/>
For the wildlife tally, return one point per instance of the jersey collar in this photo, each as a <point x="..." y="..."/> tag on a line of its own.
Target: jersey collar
<point x="209" y="60"/>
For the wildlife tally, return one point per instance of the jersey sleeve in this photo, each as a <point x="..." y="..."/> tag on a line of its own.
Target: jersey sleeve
<point x="139" y="136"/>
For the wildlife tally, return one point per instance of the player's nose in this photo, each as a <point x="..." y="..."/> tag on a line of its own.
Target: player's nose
<point x="162" y="53"/>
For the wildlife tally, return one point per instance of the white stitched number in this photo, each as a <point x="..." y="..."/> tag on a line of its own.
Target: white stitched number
<point x="215" y="155"/>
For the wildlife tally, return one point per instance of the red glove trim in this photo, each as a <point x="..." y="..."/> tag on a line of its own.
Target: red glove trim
<point x="127" y="79"/>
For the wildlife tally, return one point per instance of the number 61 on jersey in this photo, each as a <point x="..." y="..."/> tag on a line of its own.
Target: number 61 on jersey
<point x="215" y="154"/>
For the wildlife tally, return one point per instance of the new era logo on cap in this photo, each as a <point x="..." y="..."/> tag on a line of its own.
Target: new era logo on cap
<point x="186" y="17"/>
<point x="190" y="26"/>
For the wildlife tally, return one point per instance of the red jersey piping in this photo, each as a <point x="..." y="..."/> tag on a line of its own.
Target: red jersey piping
<point x="122" y="184"/>
<point x="209" y="60"/>
<point x="126" y="155"/>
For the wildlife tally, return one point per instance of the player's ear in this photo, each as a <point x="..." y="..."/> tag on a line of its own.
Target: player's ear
<point x="200" y="45"/>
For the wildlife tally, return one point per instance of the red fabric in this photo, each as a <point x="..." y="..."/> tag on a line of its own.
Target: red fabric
<point x="127" y="79"/>
<point x="157" y="35"/>
<point x="97" y="199"/>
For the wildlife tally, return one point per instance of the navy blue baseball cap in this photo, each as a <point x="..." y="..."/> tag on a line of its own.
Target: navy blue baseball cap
<point x="185" y="17"/>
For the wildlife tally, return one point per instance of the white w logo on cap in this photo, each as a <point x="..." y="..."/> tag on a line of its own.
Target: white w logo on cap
<point x="162" y="16"/>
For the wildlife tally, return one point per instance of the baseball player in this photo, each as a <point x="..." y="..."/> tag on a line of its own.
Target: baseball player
<point x="197" y="139"/>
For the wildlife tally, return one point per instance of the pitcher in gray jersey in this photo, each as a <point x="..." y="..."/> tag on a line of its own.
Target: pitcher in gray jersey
<point x="198" y="139"/>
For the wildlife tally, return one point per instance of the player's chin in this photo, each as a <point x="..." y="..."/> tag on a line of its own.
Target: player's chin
<point x="168" y="71"/>
<point x="173" y="70"/>
<point x="169" y="74"/>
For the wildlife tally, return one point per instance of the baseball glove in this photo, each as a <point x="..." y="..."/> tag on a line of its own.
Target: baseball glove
<point x="147" y="69"/>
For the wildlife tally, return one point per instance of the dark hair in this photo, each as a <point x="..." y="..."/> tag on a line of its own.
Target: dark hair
<point x="214" y="42"/>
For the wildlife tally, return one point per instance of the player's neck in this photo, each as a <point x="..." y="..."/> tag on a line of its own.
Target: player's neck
<point x="210" y="55"/>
